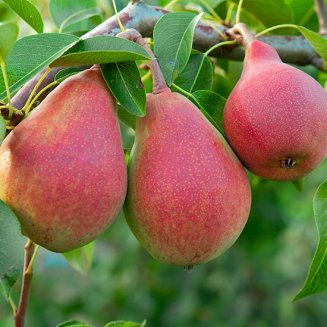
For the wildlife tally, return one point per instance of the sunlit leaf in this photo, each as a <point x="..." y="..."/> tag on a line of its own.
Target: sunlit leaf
<point x="28" y="12"/>
<point x="81" y="258"/>
<point x="173" y="37"/>
<point x="125" y="84"/>
<point x="316" y="281"/>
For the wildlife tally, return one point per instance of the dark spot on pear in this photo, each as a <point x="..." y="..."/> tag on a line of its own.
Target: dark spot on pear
<point x="288" y="163"/>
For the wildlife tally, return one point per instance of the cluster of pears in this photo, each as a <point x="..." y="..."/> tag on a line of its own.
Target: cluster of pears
<point x="63" y="172"/>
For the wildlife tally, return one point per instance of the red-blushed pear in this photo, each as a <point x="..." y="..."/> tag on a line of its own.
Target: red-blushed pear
<point x="188" y="197"/>
<point x="276" y="117"/>
<point x="62" y="169"/>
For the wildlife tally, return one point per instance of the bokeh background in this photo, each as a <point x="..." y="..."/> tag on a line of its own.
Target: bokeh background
<point x="252" y="284"/>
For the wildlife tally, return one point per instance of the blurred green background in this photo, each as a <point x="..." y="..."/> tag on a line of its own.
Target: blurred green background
<point x="252" y="284"/>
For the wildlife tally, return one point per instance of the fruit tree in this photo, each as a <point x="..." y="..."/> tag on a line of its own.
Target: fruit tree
<point x="178" y="118"/>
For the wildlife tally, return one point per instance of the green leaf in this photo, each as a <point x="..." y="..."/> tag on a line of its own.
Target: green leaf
<point x="81" y="258"/>
<point x="122" y="323"/>
<point x="100" y="50"/>
<point x="269" y="12"/>
<point x="316" y="281"/>
<point x="67" y="72"/>
<point x="197" y="75"/>
<point x="124" y="81"/>
<point x="61" y="10"/>
<point x="8" y="36"/>
<point x="11" y="249"/>
<point x="213" y="103"/>
<point x="299" y="184"/>
<point x="302" y="9"/>
<point x="79" y="16"/>
<point x="2" y="129"/>
<point x="75" y="323"/>
<point x="126" y="117"/>
<point x="28" y="12"/>
<point x="30" y="55"/>
<point x="318" y="42"/>
<point x="173" y="37"/>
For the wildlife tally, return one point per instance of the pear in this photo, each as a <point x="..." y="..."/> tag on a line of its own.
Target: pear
<point x="276" y="117"/>
<point x="188" y="196"/>
<point x="62" y="169"/>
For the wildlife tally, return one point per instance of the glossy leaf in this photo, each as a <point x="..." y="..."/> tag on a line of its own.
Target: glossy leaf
<point x="173" y="38"/>
<point x="8" y="36"/>
<point x="197" y="75"/>
<point x="61" y="10"/>
<point x="213" y="104"/>
<point x="101" y="49"/>
<point x="42" y="49"/>
<point x="125" y="83"/>
<point x="81" y="258"/>
<point x="316" y="281"/>
<point x="78" y="17"/>
<point x="28" y="12"/>
<point x="126" y="117"/>
<point x="67" y="72"/>
<point x="11" y="249"/>
<point x="318" y="42"/>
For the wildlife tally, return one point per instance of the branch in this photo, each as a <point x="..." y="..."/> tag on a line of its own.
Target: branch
<point x="26" y="285"/>
<point x="143" y="17"/>
<point x="321" y="12"/>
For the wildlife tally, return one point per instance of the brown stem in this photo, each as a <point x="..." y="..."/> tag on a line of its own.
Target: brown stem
<point x="321" y="12"/>
<point x="26" y="285"/>
<point x="241" y="34"/>
<point x="159" y="84"/>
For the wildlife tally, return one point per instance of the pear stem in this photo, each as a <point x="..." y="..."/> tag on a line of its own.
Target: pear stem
<point x="238" y="12"/>
<point x="159" y="84"/>
<point x="121" y="26"/>
<point x="241" y="34"/>
<point x="26" y="284"/>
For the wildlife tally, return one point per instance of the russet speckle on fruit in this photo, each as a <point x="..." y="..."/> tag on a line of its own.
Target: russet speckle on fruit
<point x="276" y="117"/>
<point x="189" y="197"/>
<point x="62" y="169"/>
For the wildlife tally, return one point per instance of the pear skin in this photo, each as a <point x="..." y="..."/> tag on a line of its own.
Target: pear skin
<point x="62" y="169"/>
<point x="188" y="197"/>
<point x="275" y="119"/>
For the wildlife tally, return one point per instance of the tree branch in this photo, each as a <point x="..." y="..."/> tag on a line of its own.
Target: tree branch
<point x="26" y="285"/>
<point x="321" y="12"/>
<point x="142" y="17"/>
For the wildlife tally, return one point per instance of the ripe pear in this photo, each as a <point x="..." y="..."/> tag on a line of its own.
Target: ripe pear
<point x="276" y="117"/>
<point x="62" y="170"/>
<point x="188" y="196"/>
